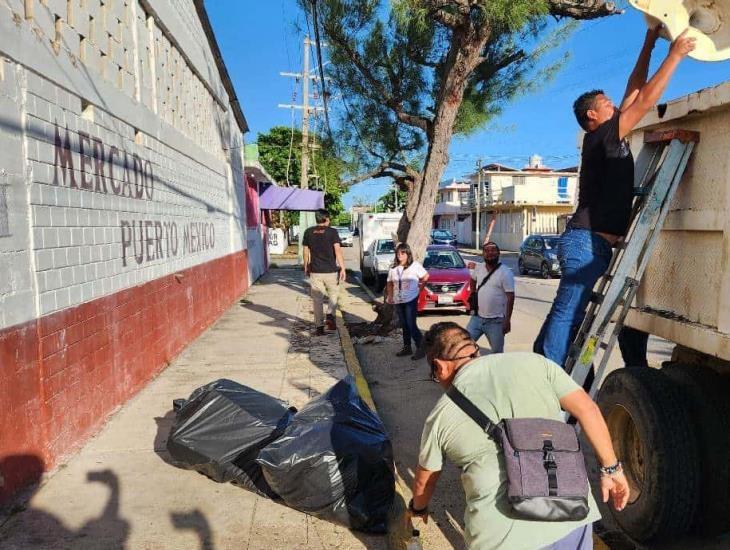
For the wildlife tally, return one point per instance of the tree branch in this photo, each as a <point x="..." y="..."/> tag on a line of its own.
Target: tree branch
<point x="387" y="99"/>
<point x="445" y="18"/>
<point x="410" y="173"/>
<point x="583" y="9"/>
<point x="384" y="170"/>
<point x="501" y="64"/>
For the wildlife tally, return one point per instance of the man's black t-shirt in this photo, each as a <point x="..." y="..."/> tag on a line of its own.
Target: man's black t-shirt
<point x="606" y="181"/>
<point x="321" y="241"/>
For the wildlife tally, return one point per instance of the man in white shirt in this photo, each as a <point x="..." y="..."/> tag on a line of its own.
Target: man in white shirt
<point x="495" y="298"/>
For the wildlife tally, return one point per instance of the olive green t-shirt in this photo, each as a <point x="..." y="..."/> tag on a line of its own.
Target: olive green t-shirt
<point x="512" y="385"/>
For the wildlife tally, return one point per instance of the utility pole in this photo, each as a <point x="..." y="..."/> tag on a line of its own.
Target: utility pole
<point x="304" y="180"/>
<point x="395" y="192"/>
<point x="477" y="242"/>
<point x="306" y="219"/>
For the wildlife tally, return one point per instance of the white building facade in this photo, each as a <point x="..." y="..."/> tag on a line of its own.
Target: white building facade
<point x="448" y="212"/>
<point x="122" y="208"/>
<point x="520" y="201"/>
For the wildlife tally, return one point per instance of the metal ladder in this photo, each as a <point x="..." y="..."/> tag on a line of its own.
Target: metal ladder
<point x="659" y="169"/>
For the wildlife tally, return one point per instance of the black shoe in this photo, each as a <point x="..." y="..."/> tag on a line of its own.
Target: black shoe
<point x="420" y="354"/>
<point x="404" y="352"/>
<point x="319" y="331"/>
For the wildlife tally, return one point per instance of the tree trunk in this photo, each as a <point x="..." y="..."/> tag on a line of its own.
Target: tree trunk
<point x="415" y="225"/>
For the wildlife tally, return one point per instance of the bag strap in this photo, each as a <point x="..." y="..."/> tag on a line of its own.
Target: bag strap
<point x="484" y="282"/>
<point x="489" y="276"/>
<point x="482" y="420"/>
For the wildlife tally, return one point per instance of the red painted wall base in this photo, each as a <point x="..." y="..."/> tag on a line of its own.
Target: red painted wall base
<point x="63" y="374"/>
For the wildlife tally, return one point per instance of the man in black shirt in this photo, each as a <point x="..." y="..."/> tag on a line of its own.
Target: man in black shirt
<point x="606" y="192"/>
<point x="324" y="265"/>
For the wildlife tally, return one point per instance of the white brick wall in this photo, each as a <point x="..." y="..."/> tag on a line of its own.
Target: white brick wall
<point x="75" y="229"/>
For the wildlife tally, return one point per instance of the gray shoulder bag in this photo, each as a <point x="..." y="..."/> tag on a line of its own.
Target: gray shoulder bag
<point x="546" y="473"/>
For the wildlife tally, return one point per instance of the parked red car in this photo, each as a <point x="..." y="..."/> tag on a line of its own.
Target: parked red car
<point x="448" y="280"/>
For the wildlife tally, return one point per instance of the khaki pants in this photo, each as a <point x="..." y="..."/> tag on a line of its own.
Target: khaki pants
<point x="324" y="283"/>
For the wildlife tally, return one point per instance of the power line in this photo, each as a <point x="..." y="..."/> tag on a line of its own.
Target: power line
<point x="321" y="65"/>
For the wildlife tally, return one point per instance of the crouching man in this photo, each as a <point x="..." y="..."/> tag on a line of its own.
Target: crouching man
<point x="504" y="386"/>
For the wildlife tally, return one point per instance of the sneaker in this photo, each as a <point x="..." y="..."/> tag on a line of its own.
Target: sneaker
<point x="420" y="354"/>
<point x="319" y="331"/>
<point x="404" y="352"/>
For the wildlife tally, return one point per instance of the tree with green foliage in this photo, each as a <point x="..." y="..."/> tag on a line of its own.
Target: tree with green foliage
<point x="387" y="202"/>
<point x="412" y="73"/>
<point x="281" y="157"/>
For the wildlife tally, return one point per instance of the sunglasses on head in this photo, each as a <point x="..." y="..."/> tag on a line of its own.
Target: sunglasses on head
<point x="472" y="355"/>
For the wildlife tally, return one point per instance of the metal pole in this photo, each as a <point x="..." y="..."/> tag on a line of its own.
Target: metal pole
<point x="477" y="242"/>
<point x="395" y="191"/>
<point x="304" y="180"/>
<point x="306" y="219"/>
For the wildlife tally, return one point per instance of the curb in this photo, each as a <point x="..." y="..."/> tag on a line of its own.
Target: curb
<point x="400" y="526"/>
<point x="366" y="288"/>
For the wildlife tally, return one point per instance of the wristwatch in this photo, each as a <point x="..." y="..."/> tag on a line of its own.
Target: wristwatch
<point x="610" y="470"/>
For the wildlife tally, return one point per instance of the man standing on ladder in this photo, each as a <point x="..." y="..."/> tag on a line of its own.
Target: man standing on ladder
<point x="606" y="192"/>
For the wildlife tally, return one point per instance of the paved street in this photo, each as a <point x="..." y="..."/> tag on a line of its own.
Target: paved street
<point x="534" y="296"/>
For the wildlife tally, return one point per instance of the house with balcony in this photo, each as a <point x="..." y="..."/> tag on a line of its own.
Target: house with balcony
<point x="520" y="201"/>
<point x="448" y="211"/>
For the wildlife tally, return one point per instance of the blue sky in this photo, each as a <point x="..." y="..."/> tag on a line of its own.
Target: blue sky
<point x="260" y="39"/>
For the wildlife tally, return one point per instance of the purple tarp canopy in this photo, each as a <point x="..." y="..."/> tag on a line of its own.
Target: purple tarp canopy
<point x="290" y="198"/>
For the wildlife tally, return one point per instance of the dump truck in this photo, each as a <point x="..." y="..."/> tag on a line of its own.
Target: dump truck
<point x="671" y="426"/>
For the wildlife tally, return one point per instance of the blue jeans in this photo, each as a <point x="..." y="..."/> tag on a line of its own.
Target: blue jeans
<point x="578" y="539"/>
<point x="407" y="315"/>
<point x="584" y="257"/>
<point x="492" y="328"/>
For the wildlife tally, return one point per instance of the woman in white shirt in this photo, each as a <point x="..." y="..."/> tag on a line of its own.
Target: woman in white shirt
<point x="405" y="281"/>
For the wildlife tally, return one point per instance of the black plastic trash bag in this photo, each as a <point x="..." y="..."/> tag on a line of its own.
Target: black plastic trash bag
<point x="334" y="461"/>
<point x="220" y="430"/>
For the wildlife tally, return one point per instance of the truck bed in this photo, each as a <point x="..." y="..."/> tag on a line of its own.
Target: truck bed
<point x="685" y="293"/>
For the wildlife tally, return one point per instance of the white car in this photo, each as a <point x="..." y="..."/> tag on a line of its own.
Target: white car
<point x="377" y="261"/>
<point x="345" y="235"/>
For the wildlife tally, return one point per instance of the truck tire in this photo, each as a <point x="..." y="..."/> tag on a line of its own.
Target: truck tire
<point x="367" y="277"/>
<point x="710" y="411"/>
<point x="380" y="281"/>
<point x="652" y="434"/>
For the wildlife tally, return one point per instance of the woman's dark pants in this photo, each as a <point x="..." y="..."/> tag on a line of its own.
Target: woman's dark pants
<point x="407" y="316"/>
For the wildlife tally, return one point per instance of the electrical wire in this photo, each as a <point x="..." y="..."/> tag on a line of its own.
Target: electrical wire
<point x="315" y="23"/>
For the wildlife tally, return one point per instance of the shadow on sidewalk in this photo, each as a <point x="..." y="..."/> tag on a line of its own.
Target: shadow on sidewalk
<point x="40" y="529"/>
<point x="196" y="522"/>
<point x="293" y="279"/>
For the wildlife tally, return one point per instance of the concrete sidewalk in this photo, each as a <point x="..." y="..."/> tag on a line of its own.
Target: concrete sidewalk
<point x="120" y="491"/>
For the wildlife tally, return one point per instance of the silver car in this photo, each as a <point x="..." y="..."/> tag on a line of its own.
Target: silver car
<point x="377" y="261"/>
<point x="345" y="235"/>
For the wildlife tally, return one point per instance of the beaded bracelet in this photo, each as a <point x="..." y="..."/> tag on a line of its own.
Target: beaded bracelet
<point x="610" y="470"/>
